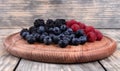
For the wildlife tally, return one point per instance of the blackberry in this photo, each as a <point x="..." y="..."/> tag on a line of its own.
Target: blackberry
<point x="32" y="29"/>
<point x="59" y="22"/>
<point x="39" y="22"/>
<point x="50" y="23"/>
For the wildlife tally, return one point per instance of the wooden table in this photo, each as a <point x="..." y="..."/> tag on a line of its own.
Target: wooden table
<point x="102" y="14"/>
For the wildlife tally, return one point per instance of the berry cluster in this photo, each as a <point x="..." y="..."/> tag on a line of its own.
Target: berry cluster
<point x="60" y="32"/>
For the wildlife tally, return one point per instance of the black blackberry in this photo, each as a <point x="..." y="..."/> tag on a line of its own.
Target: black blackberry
<point x="59" y="22"/>
<point x="50" y="23"/>
<point x="39" y="22"/>
<point x="32" y="29"/>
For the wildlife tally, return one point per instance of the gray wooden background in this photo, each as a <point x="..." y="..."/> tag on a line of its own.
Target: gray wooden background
<point x="98" y="13"/>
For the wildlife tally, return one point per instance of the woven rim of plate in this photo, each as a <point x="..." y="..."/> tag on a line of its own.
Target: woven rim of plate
<point x="57" y="55"/>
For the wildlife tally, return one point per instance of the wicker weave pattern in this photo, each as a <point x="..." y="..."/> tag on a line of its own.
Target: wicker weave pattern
<point x="52" y="53"/>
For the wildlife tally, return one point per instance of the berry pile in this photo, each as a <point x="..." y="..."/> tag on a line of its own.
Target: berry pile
<point x="60" y="32"/>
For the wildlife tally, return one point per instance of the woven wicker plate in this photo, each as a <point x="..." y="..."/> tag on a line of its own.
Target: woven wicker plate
<point x="53" y="53"/>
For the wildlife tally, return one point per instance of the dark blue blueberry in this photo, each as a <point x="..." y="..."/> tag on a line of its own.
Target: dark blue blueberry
<point x="83" y="39"/>
<point x="41" y="29"/>
<point x="37" y="36"/>
<point x="23" y="30"/>
<point x="61" y="36"/>
<point x="56" y="31"/>
<point x="68" y="31"/>
<point x="75" y="41"/>
<point x="39" y="22"/>
<point x="63" y="27"/>
<point x="47" y="40"/>
<point x="79" y="33"/>
<point x="50" y="30"/>
<point x="63" y="43"/>
<point x="30" y="39"/>
<point x="41" y="37"/>
<point x="51" y="35"/>
<point x="56" y="39"/>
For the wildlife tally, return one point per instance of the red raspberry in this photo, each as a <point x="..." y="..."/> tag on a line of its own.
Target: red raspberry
<point x="82" y="25"/>
<point x="70" y="23"/>
<point x="75" y="27"/>
<point x="89" y="29"/>
<point x="91" y="36"/>
<point x="99" y="35"/>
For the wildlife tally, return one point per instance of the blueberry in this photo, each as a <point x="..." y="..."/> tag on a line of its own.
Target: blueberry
<point x="63" y="43"/>
<point x="23" y="30"/>
<point x="50" y="23"/>
<point x="41" y="29"/>
<point x="63" y="27"/>
<point x="24" y="34"/>
<point x="83" y="39"/>
<point x="56" y="39"/>
<point x="75" y="41"/>
<point x="50" y="30"/>
<point x="51" y="35"/>
<point x="56" y="30"/>
<point x="70" y="30"/>
<point x="37" y="36"/>
<point x="30" y="39"/>
<point x="47" y="40"/>
<point x="39" y="22"/>
<point x="61" y="36"/>
<point x="41" y="37"/>
<point x="79" y="33"/>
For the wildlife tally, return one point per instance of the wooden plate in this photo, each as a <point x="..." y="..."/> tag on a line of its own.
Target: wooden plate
<point x="53" y="53"/>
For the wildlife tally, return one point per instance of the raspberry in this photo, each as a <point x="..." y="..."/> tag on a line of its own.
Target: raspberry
<point x="82" y="25"/>
<point x="70" y="23"/>
<point x="89" y="29"/>
<point x="98" y="34"/>
<point x="91" y="36"/>
<point x="75" y="27"/>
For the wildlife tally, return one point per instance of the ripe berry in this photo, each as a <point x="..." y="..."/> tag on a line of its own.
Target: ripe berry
<point x="89" y="29"/>
<point x="56" y="39"/>
<point x="70" y="23"/>
<point x="59" y="22"/>
<point x="63" y="27"/>
<point x="32" y="29"/>
<point x="39" y="22"/>
<point x="63" y="43"/>
<point x="99" y="35"/>
<point x="82" y="25"/>
<point x="50" y="23"/>
<point x="83" y="39"/>
<point x="47" y="40"/>
<point x="75" y="27"/>
<point x="91" y="36"/>
<point x="75" y="41"/>
<point x="79" y="33"/>
<point x="30" y="39"/>
<point x="41" y="30"/>
<point x="56" y="31"/>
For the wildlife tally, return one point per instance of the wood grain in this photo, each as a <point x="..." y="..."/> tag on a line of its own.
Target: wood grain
<point x="22" y="13"/>
<point x="7" y="61"/>
<point x="38" y="66"/>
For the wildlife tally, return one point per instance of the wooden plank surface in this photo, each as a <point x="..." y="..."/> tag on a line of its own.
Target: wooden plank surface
<point x="26" y="65"/>
<point x="7" y="61"/>
<point x="98" y="13"/>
